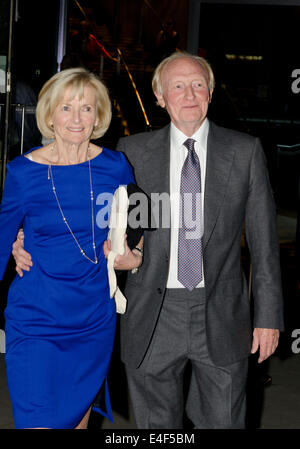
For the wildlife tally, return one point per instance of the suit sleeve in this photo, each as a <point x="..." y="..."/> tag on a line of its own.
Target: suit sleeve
<point x="262" y="238"/>
<point x="11" y="217"/>
<point x="120" y="145"/>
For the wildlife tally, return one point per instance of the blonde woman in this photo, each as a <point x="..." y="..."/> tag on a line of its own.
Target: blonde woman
<point x="60" y="320"/>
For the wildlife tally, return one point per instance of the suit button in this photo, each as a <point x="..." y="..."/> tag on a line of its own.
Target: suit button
<point x="159" y="291"/>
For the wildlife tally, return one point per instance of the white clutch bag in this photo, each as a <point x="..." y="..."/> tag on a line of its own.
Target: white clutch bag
<point x="117" y="229"/>
<point x="119" y="225"/>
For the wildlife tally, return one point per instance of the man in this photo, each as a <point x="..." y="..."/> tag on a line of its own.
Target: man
<point x="166" y="324"/>
<point x="172" y="318"/>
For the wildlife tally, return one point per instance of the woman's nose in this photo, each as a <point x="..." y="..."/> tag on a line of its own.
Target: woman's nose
<point x="76" y="116"/>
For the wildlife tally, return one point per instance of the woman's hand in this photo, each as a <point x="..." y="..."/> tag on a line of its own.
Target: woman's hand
<point x="22" y="257"/>
<point x="129" y="260"/>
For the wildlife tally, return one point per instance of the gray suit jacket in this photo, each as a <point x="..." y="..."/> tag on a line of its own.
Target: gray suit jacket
<point x="237" y="192"/>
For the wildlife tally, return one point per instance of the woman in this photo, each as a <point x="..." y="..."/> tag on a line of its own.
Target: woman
<point x="60" y="320"/>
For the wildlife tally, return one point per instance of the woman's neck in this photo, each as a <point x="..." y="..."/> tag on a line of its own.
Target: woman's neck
<point x="69" y="154"/>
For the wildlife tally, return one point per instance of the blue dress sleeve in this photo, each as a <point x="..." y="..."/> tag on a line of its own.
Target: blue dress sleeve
<point x="11" y="217"/>
<point x="127" y="172"/>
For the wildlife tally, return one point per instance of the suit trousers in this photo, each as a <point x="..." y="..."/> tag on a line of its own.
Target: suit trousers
<point x="214" y="397"/>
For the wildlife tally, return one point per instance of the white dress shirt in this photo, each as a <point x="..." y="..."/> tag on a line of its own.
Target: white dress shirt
<point x="178" y="153"/>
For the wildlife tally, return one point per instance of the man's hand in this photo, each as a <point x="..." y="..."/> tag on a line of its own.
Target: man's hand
<point x="266" y="340"/>
<point x="22" y="257"/>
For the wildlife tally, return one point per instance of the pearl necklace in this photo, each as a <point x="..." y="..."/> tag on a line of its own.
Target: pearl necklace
<point x="50" y="177"/>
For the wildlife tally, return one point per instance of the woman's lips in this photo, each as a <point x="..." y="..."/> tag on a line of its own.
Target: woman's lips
<point x="75" y="129"/>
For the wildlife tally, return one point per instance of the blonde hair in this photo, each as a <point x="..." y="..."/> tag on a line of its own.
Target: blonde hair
<point x="157" y="76"/>
<point x="53" y="91"/>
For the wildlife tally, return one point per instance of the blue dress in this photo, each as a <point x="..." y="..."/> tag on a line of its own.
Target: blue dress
<point x="59" y="320"/>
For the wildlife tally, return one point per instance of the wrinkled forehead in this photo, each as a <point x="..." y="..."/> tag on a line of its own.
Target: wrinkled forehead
<point x="183" y="68"/>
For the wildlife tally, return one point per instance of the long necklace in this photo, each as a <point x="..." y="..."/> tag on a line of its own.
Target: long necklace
<point x="50" y="177"/>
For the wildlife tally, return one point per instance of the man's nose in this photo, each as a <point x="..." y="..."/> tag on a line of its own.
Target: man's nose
<point x="189" y="92"/>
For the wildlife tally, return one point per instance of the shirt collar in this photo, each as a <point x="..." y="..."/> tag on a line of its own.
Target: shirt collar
<point x="178" y="137"/>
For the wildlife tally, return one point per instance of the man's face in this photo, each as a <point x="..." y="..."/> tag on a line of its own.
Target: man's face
<point x="186" y="95"/>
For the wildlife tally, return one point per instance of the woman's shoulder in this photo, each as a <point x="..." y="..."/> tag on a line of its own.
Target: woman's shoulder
<point x="39" y="154"/>
<point x="17" y="163"/>
<point x="116" y="161"/>
<point x="113" y="155"/>
<point x="21" y="162"/>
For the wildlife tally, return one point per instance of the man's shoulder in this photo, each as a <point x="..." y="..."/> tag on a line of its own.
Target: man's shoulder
<point x="230" y="135"/>
<point x="136" y="140"/>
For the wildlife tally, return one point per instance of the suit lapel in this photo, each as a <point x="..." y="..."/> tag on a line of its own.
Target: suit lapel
<point x="156" y="161"/>
<point x="219" y="162"/>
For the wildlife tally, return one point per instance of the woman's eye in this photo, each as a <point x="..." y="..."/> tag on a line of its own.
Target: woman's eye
<point x="65" y="108"/>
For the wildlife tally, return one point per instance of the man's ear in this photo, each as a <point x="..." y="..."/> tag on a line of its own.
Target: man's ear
<point x="160" y="100"/>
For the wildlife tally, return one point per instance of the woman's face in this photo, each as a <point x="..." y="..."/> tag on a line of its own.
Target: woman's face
<point x="74" y="119"/>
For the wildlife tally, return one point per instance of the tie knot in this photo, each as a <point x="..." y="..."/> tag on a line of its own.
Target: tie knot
<point x="189" y="144"/>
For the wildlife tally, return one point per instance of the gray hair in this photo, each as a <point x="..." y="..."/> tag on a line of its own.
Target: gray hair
<point x="157" y="76"/>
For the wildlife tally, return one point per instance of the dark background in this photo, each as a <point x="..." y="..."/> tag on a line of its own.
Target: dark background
<point x="253" y="49"/>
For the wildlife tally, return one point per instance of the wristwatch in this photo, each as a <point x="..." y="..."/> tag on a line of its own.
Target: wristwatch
<point x="140" y="250"/>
